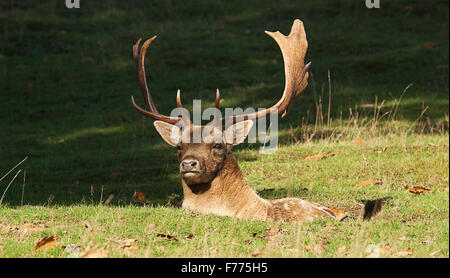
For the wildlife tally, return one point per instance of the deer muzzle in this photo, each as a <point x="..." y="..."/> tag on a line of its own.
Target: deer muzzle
<point x="190" y="167"/>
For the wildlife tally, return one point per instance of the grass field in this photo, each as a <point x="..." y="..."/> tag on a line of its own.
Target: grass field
<point x="66" y="77"/>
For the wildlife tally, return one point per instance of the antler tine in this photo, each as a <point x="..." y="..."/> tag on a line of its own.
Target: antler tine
<point x="293" y="48"/>
<point x="179" y="105"/>
<point x="217" y="103"/>
<point x="217" y="106"/>
<point x="139" y="58"/>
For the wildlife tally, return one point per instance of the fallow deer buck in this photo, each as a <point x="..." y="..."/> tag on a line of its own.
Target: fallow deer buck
<point x="210" y="175"/>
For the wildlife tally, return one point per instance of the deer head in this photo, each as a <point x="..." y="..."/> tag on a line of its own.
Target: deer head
<point x="199" y="163"/>
<point x="211" y="178"/>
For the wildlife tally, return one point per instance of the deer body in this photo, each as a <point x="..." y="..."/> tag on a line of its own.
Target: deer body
<point x="211" y="178"/>
<point x="228" y="194"/>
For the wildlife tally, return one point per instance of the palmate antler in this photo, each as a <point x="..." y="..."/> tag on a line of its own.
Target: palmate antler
<point x="293" y="48"/>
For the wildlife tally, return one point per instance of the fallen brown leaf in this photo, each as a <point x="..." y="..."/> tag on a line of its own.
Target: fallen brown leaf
<point x="167" y="236"/>
<point x="86" y="225"/>
<point x="318" y="157"/>
<point x="127" y="243"/>
<point x="190" y="236"/>
<point x="357" y="141"/>
<point x="367" y="182"/>
<point x="139" y="196"/>
<point x="94" y="252"/>
<point x="418" y="189"/>
<point x="47" y="242"/>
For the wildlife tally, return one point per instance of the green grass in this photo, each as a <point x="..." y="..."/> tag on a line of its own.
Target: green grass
<point x="66" y="77"/>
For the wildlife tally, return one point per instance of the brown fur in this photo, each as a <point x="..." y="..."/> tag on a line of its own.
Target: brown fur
<point x="228" y="194"/>
<point x="215" y="183"/>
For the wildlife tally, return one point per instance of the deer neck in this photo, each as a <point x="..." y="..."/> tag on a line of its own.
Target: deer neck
<point x="227" y="194"/>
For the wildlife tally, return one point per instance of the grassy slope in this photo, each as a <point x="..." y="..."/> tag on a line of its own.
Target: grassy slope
<point x="66" y="77"/>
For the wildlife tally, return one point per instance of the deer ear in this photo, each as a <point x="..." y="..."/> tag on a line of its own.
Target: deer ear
<point x="236" y="134"/>
<point x="170" y="133"/>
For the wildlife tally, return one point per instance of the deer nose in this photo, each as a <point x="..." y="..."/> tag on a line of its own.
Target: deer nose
<point x="189" y="164"/>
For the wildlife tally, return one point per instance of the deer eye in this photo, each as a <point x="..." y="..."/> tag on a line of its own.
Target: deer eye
<point x="179" y="147"/>
<point x="218" y="146"/>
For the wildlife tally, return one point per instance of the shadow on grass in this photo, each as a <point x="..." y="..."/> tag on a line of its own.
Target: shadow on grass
<point x="373" y="207"/>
